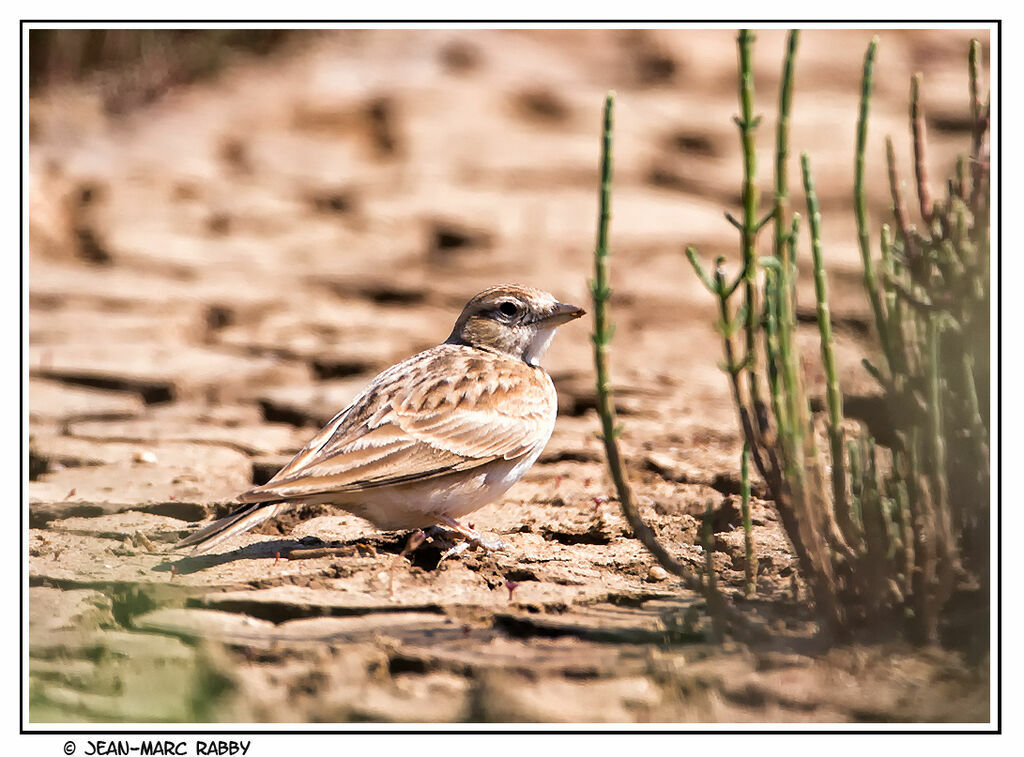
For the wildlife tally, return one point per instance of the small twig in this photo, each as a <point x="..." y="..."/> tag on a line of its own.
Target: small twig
<point x="315" y="552"/>
<point x="875" y="373"/>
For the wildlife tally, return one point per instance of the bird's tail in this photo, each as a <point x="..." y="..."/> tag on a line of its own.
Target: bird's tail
<point x="234" y="524"/>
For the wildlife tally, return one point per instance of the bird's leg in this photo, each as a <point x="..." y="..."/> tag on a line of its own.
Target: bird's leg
<point x="472" y="539"/>
<point x="471" y="534"/>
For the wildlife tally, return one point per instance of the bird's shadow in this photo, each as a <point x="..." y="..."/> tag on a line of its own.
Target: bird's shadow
<point x="259" y="551"/>
<point x="426" y="556"/>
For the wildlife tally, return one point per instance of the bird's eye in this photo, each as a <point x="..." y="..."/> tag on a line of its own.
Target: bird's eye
<point x="508" y="308"/>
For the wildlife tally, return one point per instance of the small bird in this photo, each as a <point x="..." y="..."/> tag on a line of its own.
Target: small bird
<point x="434" y="437"/>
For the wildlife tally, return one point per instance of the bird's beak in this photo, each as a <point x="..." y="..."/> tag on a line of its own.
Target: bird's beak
<point x="563" y="313"/>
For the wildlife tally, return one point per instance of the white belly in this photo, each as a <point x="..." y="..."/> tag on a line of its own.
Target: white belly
<point x="417" y="505"/>
<point x="454" y="495"/>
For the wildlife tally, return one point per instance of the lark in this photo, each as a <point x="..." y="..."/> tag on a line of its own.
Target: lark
<point x="433" y="438"/>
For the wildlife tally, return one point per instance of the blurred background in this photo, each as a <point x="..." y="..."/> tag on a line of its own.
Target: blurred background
<point x="232" y="231"/>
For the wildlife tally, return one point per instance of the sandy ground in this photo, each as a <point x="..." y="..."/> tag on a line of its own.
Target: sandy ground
<point x="214" y="275"/>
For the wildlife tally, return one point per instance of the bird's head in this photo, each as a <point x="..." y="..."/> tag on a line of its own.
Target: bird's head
<point x="512" y="319"/>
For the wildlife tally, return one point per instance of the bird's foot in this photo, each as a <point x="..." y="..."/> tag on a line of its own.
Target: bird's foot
<point x="458" y="549"/>
<point x="472" y="540"/>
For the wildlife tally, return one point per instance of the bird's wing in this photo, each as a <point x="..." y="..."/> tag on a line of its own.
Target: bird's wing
<point x="445" y="410"/>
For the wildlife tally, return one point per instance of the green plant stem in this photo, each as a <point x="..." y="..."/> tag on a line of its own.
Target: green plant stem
<point x="899" y="208"/>
<point x="856" y="482"/>
<point x="839" y="529"/>
<point x="774" y="281"/>
<point x="941" y="520"/>
<point x="924" y="195"/>
<point x="750" y="564"/>
<point x="977" y="424"/>
<point x="828" y="359"/>
<point x="771" y="339"/>
<point x="871" y="284"/>
<point x="711" y="593"/>
<point x="973" y="67"/>
<point x="936" y="439"/>
<point x="789" y="353"/>
<point x="897" y="344"/>
<point x="734" y="370"/>
<point x="875" y="535"/>
<point x="748" y="124"/>
<point x="792" y="491"/>
<point x="980" y="118"/>
<point x="691" y="255"/>
<point x="601" y="292"/>
<point x="905" y="554"/>
<point x="782" y="147"/>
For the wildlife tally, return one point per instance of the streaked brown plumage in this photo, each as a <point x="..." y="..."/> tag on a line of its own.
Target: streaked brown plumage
<point x="434" y="437"/>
